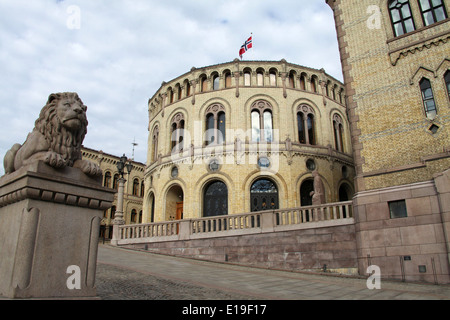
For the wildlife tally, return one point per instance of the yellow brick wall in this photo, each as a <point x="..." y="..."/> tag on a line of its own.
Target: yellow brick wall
<point x="288" y="169"/>
<point x="384" y="71"/>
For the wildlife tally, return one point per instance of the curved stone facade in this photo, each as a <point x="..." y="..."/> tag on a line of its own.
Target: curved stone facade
<point x="246" y="136"/>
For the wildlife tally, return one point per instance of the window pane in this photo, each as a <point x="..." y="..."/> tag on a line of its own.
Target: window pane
<point x="409" y="25"/>
<point x="311" y="129"/>
<point x="246" y="79"/>
<point x="436" y="3"/>
<point x="427" y="93"/>
<point x="221" y="126"/>
<point x="406" y="13"/>
<point x="260" y="79"/>
<point x="431" y="114"/>
<point x="216" y="83"/>
<point x="255" y="127"/>
<point x="425" y="84"/>
<point x="228" y="80"/>
<point x="397" y="209"/>
<point x="395" y="15"/>
<point x="430" y="106"/>
<point x="425" y="4"/>
<point x="398" y="29"/>
<point x="428" y="17"/>
<point x="440" y="14"/>
<point x="268" y="126"/>
<point x="209" y="129"/>
<point x="301" y="131"/>
<point x="273" y="79"/>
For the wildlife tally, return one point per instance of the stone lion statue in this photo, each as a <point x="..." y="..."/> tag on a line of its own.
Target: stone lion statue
<point x="56" y="138"/>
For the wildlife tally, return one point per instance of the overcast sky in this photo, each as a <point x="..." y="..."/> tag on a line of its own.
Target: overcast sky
<point x="116" y="53"/>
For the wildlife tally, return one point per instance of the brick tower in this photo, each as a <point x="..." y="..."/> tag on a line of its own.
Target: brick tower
<point x="395" y="58"/>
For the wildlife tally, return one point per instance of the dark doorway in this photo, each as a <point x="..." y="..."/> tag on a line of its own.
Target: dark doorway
<point x="215" y="199"/>
<point x="264" y="195"/>
<point x="305" y="193"/>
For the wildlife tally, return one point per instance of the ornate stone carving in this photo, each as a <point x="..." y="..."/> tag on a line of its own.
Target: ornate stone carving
<point x="56" y="138"/>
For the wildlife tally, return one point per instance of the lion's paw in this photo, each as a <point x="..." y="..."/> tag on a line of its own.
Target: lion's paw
<point x="88" y="167"/>
<point x="55" y="160"/>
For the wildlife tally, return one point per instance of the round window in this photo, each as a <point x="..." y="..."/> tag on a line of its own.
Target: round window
<point x="311" y="165"/>
<point x="264" y="162"/>
<point x="174" y="172"/>
<point x="214" y="165"/>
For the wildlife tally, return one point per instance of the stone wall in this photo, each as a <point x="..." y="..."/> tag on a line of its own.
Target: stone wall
<point x="308" y="249"/>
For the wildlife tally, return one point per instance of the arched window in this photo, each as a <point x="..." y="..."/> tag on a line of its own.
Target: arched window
<point x="142" y="189"/>
<point x="215" y="124"/>
<point x="203" y="84"/>
<point x="188" y="88"/>
<point x="133" y="215"/>
<point x="264" y="195"/>
<point x="228" y="79"/>
<point x="247" y="78"/>
<point x="216" y="82"/>
<point x="338" y="132"/>
<point x="136" y="187"/>
<point x="401" y="17"/>
<point x="292" y="80"/>
<point x="260" y="78"/>
<point x="273" y="78"/>
<point x="177" y="132"/>
<point x="432" y="11"/>
<point x="155" y="139"/>
<point x="302" y="82"/>
<point x="215" y="199"/>
<point x="314" y="84"/>
<point x="447" y="82"/>
<point x="262" y="121"/>
<point x="179" y="92"/>
<point x="428" y="98"/>
<point x="107" y="182"/>
<point x="170" y="94"/>
<point x="116" y="182"/>
<point x="306" y="125"/>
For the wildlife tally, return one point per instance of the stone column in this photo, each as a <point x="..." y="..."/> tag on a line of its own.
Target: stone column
<point x="50" y="220"/>
<point x="118" y="218"/>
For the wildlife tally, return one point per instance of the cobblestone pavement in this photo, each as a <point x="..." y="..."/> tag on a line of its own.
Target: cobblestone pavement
<point x="134" y="275"/>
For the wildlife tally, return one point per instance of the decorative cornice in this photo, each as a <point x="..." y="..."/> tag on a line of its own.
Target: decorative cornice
<point x="419" y="46"/>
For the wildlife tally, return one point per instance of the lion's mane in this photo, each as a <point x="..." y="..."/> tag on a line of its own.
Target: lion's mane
<point x="60" y="140"/>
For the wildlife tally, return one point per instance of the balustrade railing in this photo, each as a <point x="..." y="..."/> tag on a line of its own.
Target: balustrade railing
<point x="254" y="222"/>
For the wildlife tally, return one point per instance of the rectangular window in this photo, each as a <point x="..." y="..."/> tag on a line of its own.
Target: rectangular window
<point x="428" y="98"/>
<point x="397" y="209"/>
<point x="432" y="11"/>
<point x="401" y="17"/>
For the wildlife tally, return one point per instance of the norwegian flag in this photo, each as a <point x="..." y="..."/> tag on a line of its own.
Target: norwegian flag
<point x="247" y="45"/>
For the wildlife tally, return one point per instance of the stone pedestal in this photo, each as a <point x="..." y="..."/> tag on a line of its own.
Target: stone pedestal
<point x="49" y="228"/>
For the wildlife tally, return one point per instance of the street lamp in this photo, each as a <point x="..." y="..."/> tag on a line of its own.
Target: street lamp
<point x="119" y="220"/>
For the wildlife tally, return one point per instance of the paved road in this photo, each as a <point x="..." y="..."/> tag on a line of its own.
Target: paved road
<point x="134" y="275"/>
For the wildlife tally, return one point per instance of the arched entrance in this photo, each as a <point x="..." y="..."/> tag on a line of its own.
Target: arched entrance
<point x="305" y="192"/>
<point x="264" y="195"/>
<point x="174" y="203"/>
<point x="215" y="199"/>
<point x="345" y="192"/>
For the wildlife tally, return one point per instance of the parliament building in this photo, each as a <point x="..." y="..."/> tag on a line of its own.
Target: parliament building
<point x="247" y="136"/>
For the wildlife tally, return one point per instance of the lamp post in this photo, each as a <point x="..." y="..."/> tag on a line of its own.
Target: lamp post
<point x="119" y="220"/>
